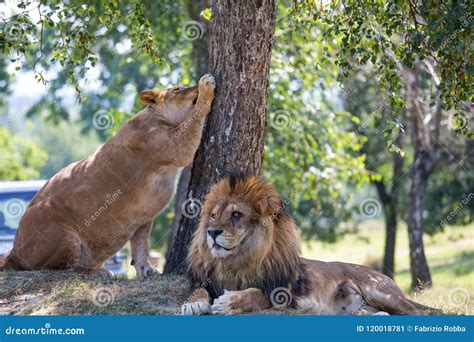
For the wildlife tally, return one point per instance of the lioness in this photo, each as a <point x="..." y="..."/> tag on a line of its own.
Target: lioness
<point x="244" y="256"/>
<point x="90" y="209"/>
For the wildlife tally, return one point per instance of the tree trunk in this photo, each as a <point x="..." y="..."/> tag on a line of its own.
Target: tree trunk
<point x="200" y="56"/>
<point x="420" y="273"/>
<point x="388" y="267"/>
<point x="391" y="211"/>
<point x="240" y="43"/>
<point x="424" y="161"/>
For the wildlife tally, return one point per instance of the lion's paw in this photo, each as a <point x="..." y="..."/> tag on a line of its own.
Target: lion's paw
<point x="228" y="304"/>
<point x="195" y="308"/>
<point x="207" y="82"/>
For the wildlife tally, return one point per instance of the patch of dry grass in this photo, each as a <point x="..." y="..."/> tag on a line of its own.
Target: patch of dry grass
<point x="450" y="255"/>
<point x="64" y="293"/>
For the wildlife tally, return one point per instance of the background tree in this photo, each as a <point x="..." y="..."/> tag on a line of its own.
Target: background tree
<point x="234" y="133"/>
<point x="385" y="164"/>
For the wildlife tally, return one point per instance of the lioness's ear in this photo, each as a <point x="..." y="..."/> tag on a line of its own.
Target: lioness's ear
<point x="148" y="97"/>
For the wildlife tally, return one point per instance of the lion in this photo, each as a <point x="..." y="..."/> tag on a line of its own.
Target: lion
<point x="244" y="256"/>
<point x="90" y="209"/>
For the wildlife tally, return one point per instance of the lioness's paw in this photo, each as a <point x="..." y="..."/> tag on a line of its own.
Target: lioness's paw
<point x="207" y="82"/>
<point x="146" y="271"/>
<point x="228" y="304"/>
<point x="195" y="308"/>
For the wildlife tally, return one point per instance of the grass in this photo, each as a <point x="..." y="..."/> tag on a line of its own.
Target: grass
<point x="450" y="255"/>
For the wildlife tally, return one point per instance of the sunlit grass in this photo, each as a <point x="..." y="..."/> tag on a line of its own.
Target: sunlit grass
<point x="450" y="255"/>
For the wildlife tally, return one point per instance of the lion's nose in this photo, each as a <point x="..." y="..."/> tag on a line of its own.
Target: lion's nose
<point x="213" y="233"/>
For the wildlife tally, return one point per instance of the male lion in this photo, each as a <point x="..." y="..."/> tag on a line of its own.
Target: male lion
<point x="90" y="209"/>
<point x="244" y="256"/>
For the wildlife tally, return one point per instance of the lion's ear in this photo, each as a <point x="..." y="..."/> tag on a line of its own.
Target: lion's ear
<point x="269" y="205"/>
<point x="148" y="97"/>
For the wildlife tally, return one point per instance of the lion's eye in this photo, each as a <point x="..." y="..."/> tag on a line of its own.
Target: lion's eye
<point x="213" y="216"/>
<point x="235" y="216"/>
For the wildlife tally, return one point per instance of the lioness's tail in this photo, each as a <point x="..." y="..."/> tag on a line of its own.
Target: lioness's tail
<point x="7" y="263"/>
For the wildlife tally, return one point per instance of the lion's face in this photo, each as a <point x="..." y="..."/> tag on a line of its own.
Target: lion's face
<point x="235" y="222"/>
<point x="230" y="227"/>
<point x="175" y="103"/>
<point x="244" y="236"/>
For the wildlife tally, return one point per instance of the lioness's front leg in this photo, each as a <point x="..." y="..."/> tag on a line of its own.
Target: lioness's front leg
<point x="187" y="135"/>
<point x="140" y="251"/>
<point x="197" y="304"/>
<point x="236" y="302"/>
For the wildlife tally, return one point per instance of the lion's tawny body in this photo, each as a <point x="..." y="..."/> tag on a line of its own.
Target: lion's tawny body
<point x="245" y="254"/>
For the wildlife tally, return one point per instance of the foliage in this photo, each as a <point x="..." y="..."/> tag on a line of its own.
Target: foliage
<point x="311" y="152"/>
<point x="110" y="51"/>
<point x="388" y="35"/>
<point x="20" y="159"/>
<point x="451" y="181"/>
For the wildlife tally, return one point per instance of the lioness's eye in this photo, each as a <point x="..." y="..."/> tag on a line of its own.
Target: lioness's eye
<point x="213" y="216"/>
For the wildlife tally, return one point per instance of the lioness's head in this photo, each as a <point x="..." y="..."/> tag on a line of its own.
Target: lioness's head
<point x="173" y="103"/>
<point x="242" y="220"/>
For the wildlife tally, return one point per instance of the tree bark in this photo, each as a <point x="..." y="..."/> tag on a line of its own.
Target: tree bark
<point x="240" y="44"/>
<point x="420" y="273"/>
<point x="390" y="238"/>
<point x="200" y="56"/>
<point x="424" y="161"/>
<point x="391" y="211"/>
